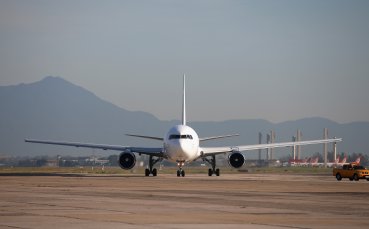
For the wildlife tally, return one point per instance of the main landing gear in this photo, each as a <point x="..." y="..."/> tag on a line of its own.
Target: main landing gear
<point x="212" y="163"/>
<point x="151" y="170"/>
<point x="180" y="171"/>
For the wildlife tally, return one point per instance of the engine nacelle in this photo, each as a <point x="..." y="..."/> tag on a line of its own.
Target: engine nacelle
<point x="127" y="160"/>
<point x="236" y="160"/>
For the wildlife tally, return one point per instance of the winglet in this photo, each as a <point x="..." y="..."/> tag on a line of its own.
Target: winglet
<point x="184" y="101"/>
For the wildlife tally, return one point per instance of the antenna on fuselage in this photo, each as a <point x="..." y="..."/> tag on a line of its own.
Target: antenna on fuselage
<point x="184" y="101"/>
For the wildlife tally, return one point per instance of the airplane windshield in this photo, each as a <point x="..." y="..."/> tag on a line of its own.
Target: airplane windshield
<point x="177" y="136"/>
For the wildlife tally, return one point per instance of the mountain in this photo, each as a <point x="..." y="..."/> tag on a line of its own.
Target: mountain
<point x="59" y="110"/>
<point x="56" y="109"/>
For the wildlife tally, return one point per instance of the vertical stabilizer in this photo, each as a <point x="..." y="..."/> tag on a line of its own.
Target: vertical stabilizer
<point x="184" y="101"/>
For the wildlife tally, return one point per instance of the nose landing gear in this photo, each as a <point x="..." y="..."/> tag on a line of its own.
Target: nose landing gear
<point x="180" y="171"/>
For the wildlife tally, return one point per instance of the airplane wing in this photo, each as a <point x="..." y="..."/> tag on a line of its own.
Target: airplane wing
<point x="146" y="137"/>
<point x="141" y="150"/>
<point x="217" y="137"/>
<point x="208" y="151"/>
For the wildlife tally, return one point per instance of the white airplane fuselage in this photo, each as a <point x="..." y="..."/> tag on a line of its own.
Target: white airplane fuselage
<point x="181" y="144"/>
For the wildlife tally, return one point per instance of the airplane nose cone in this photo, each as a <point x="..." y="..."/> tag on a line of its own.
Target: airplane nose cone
<point x="181" y="149"/>
<point x="185" y="148"/>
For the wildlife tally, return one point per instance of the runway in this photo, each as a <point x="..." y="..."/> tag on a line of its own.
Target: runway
<point x="195" y="201"/>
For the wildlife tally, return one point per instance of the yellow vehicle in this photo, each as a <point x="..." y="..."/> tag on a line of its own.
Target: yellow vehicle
<point x="352" y="171"/>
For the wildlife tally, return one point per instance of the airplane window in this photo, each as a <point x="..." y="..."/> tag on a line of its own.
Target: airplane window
<point x="175" y="136"/>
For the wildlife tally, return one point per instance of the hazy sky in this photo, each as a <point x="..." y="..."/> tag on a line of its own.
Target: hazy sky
<point x="276" y="60"/>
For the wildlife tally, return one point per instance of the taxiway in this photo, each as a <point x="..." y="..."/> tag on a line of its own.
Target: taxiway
<point x="195" y="201"/>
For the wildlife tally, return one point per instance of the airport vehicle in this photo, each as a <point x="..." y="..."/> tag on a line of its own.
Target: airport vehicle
<point x="181" y="145"/>
<point x="353" y="171"/>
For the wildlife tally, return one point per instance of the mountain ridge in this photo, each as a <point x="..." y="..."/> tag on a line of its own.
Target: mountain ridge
<point x="56" y="109"/>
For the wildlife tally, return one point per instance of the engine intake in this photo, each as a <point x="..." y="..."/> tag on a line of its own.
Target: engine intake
<point x="236" y="160"/>
<point x="127" y="160"/>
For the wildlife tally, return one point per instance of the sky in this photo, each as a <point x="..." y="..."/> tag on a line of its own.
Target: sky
<point x="266" y="59"/>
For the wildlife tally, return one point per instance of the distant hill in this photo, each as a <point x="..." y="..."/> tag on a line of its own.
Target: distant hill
<point x="56" y="109"/>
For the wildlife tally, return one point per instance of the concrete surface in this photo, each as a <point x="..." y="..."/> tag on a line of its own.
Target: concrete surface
<point x="195" y="201"/>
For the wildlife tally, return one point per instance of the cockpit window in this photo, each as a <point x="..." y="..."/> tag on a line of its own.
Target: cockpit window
<point x="186" y="136"/>
<point x="174" y="136"/>
<point x="177" y="136"/>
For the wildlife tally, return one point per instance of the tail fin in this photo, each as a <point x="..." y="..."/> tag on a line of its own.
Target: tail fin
<point x="184" y="101"/>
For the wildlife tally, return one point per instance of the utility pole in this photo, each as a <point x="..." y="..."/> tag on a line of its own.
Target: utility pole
<point x="260" y="141"/>
<point x="294" y="148"/>
<point x="298" y="147"/>
<point x="325" y="136"/>
<point x="272" y="139"/>
<point x="334" y="151"/>
<point x="268" y="149"/>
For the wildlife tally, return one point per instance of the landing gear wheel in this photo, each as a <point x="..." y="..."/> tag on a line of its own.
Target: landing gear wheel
<point x="356" y="177"/>
<point x="147" y="172"/>
<point x="154" y="172"/>
<point x="213" y="165"/>
<point x="151" y="169"/>
<point x="181" y="173"/>
<point x="217" y="172"/>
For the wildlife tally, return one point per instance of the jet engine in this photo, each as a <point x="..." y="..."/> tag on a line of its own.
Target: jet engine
<point x="236" y="159"/>
<point x="127" y="160"/>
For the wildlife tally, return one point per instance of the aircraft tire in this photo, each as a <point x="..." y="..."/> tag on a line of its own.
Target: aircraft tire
<point x="154" y="172"/>
<point x="356" y="177"/>
<point x="147" y="172"/>
<point x="210" y="172"/>
<point x="217" y="172"/>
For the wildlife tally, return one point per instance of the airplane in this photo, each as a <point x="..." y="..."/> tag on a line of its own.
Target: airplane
<point x="181" y="145"/>
<point x="336" y="163"/>
<point x="357" y="161"/>
<point x="298" y="162"/>
<point x="342" y="162"/>
<point x="304" y="162"/>
<point x="313" y="162"/>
